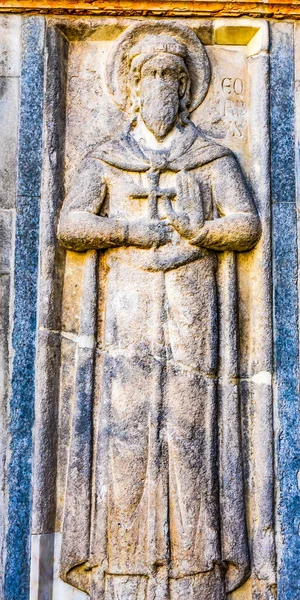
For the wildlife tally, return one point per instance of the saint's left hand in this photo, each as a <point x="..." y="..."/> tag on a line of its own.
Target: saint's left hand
<point x="187" y="219"/>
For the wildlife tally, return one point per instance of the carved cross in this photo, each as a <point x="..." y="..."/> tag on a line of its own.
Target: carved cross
<point x="154" y="193"/>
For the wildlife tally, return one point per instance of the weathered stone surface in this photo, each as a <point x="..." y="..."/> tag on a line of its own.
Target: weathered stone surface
<point x="9" y="111"/>
<point x="282" y="102"/>
<point x="46" y="412"/>
<point x="144" y="198"/>
<point x="143" y="325"/>
<point x="6" y="241"/>
<point x="31" y="107"/>
<point x="23" y="311"/>
<point x="4" y="413"/>
<point x="286" y="344"/>
<point x="286" y="298"/>
<point x="10" y="35"/>
<point x="44" y="510"/>
<point x="52" y="256"/>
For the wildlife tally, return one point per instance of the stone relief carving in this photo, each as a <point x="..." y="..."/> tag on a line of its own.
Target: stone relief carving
<point x="154" y="504"/>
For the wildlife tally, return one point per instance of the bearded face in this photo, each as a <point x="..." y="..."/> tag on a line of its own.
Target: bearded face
<point x="160" y="87"/>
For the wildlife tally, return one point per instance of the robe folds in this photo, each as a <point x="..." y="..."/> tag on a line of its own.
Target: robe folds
<point x="154" y="505"/>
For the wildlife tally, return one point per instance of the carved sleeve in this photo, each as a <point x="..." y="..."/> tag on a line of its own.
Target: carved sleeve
<point x="80" y="225"/>
<point x="237" y="226"/>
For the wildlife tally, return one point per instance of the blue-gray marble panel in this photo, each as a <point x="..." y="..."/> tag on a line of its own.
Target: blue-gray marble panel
<point x="286" y="325"/>
<point x="286" y="349"/>
<point x="31" y="106"/>
<point x="282" y="112"/>
<point x="17" y="567"/>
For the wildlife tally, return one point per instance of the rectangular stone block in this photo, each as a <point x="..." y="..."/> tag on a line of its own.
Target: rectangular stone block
<point x="282" y="113"/>
<point x="4" y="387"/>
<point x="9" y="109"/>
<point x="286" y="336"/>
<point x="10" y="45"/>
<point x="6" y="230"/>
<point x="19" y="468"/>
<point x="31" y="107"/>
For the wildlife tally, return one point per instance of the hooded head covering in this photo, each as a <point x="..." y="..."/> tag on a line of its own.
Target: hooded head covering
<point x="151" y="38"/>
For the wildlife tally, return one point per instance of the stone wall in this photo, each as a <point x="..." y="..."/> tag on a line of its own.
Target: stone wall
<point x="53" y="109"/>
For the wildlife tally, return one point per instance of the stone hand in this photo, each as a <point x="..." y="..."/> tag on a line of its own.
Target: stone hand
<point x="148" y="233"/>
<point x="187" y="219"/>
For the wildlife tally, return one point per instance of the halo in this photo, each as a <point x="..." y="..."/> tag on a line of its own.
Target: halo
<point x="118" y="63"/>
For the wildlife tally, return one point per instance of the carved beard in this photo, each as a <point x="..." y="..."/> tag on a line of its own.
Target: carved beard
<point x="159" y="107"/>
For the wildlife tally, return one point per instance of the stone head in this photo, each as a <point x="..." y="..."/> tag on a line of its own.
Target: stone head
<point x="159" y="72"/>
<point x="159" y="83"/>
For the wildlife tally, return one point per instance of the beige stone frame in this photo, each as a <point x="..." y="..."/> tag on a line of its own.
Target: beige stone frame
<point x="256" y="380"/>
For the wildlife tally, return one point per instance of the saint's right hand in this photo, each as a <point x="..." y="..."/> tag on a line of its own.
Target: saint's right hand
<point x="148" y="233"/>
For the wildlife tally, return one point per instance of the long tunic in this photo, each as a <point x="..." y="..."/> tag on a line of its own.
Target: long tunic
<point x="155" y="501"/>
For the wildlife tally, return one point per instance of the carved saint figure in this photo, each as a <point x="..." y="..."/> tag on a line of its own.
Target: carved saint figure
<point x="154" y="505"/>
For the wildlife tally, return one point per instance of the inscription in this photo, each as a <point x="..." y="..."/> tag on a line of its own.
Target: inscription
<point x="232" y="106"/>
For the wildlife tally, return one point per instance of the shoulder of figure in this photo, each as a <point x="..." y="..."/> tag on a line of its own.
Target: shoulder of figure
<point x="118" y="152"/>
<point x="89" y="162"/>
<point x="202" y="152"/>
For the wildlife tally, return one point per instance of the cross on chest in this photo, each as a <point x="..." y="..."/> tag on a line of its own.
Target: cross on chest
<point x="154" y="193"/>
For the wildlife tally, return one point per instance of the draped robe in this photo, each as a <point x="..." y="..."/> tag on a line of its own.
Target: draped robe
<point x="154" y="505"/>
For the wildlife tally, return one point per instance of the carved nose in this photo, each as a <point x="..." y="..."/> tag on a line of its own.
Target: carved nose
<point x="159" y="73"/>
